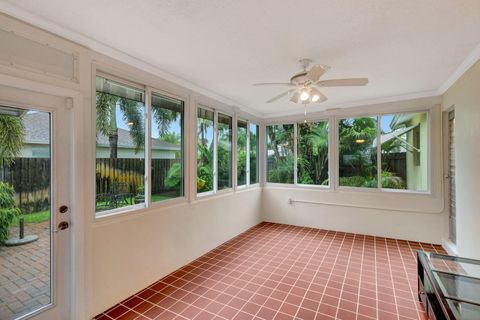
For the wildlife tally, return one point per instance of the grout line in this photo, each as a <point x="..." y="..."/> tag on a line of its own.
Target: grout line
<point x="288" y="261"/>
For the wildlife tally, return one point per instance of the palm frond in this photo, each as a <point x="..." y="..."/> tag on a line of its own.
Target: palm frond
<point x="132" y="113"/>
<point x="12" y="133"/>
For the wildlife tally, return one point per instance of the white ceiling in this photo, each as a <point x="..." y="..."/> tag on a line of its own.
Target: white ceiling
<point x="405" y="48"/>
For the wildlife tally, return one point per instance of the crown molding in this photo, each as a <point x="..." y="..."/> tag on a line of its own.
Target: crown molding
<point x="469" y="61"/>
<point x="94" y="45"/>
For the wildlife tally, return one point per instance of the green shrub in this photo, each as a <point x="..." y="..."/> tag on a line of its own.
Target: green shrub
<point x="174" y="177"/>
<point x="8" y="210"/>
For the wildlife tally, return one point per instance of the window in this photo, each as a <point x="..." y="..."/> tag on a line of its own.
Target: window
<point x="247" y="151"/>
<point x="214" y="151"/>
<point x="253" y="139"/>
<point x="241" y="153"/>
<point x="312" y="153"/>
<point x="205" y="150"/>
<point x="357" y="152"/>
<point x="404" y="141"/>
<point x="120" y="147"/>
<point x="224" y="164"/>
<point x="280" y="153"/>
<point x="403" y="147"/>
<point x="166" y="142"/>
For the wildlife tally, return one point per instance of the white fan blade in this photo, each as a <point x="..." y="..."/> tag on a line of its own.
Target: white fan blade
<point x="280" y="96"/>
<point x="342" y="82"/>
<point x="274" y="84"/>
<point x="317" y="71"/>
<point x="295" y="97"/>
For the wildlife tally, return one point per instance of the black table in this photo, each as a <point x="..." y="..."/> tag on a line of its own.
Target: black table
<point x="449" y="287"/>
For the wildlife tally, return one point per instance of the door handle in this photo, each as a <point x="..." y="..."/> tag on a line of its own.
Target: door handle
<point x="62" y="226"/>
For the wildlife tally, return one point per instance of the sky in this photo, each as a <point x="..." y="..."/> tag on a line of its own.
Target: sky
<point x="174" y="126"/>
<point x="385" y="123"/>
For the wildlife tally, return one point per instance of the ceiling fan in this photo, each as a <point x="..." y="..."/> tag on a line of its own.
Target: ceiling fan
<point x="305" y="84"/>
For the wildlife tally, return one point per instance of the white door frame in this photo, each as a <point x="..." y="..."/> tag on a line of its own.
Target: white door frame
<point x="65" y="176"/>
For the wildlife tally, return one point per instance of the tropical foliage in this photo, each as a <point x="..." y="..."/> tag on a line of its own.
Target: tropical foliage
<point x="357" y="161"/>
<point x="8" y="209"/>
<point x="280" y="153"/>
<point x="224" y="150"/>
<point x="12" y="132"/>
<point x="205" y="154"/>
<point x="132" y="113"/>
<point x="357" y="154"/>
<point x="312" y="158"/>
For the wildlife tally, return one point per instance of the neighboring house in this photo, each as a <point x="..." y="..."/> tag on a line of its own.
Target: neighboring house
<point x="37" y="137"/>
<point x="410" y="131"/>
<point x="416" y="146"/>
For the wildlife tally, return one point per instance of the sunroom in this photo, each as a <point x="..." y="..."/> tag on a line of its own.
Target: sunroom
<point x="239" y="160"/>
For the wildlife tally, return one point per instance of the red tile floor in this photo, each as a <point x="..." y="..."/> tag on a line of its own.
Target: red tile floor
<point x="275" y="271"/>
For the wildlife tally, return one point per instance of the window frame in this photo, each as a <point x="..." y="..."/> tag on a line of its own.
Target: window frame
<point x="215" y="191"/>
<point x="379" y="188"/>
<point x="337" y="153"/>
<point x="329" y="154"/>
<point x="248" y="183"/>
<point x="265" y="154"/>
<point x="295" y="123"/>
<point x="153" y="91"/>
<point x="104" y="72"/>
<point x="233" y="150"/>
<point x="133" y="207"/>
<point x="428" y="191"/>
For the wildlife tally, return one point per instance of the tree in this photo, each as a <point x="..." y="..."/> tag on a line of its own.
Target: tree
<point x="313" y="153"/>
<point x="204" y="156"/>
<point x="356" y="139"/>
<point x="171" y="137"/>
<point x="107" y="120"/>
<point x="281" y="162"/>
<point x="12" y="133"/>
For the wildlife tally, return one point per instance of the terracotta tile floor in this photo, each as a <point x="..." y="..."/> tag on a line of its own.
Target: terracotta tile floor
<point x="275" y="271"/>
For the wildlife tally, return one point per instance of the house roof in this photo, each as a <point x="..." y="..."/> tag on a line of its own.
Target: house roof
<point x="37" y="131"/>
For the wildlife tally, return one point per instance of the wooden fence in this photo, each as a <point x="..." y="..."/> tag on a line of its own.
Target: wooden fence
<point x="30" y="177"/>
<point x="395" y="163"/>
<point x="131" y="171"/>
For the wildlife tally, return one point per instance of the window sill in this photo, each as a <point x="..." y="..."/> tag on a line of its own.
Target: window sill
<point x="211" y="194"/>
<point x="299" y="186"/>
<point x="120" y="214"/>
<point x="119" y="211"/>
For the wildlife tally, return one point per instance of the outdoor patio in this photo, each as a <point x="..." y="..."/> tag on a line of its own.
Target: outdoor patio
<point x="25" y="279"/>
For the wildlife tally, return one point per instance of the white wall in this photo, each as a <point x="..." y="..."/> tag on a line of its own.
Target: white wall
<point x="401" y="215"/>
<point x="464" y="95"/>
<point x="132" y="252"/>
<point x="424" y="227"/>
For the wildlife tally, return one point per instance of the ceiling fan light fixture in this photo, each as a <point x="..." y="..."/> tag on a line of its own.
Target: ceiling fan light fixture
<point x="304" y="95"/>
<point x="315" y="98"/>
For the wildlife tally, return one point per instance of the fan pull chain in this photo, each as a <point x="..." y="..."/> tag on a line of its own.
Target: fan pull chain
<point x="305" y="113"/>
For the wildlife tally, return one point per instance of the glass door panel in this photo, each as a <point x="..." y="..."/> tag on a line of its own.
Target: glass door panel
<point x="35" y="148"/>
<point x="25" y="212"/>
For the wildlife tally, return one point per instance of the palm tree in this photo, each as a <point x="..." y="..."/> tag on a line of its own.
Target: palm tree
<point x="107" y="120"/>
<point x="12" y="133"/>
<point x="313" y="155"/>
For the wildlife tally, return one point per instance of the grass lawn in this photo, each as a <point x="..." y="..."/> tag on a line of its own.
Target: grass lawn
<point x="159" y="197"/>
<point x="34" y="217"/>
